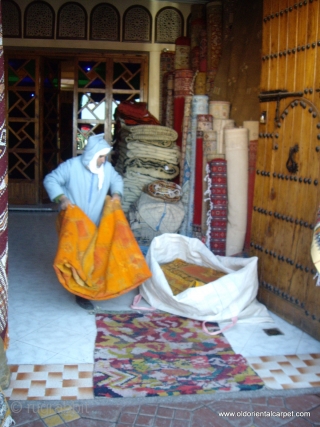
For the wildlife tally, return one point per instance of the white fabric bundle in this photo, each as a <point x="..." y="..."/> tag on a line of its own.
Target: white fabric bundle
<point x="236" y="141"/>
<point x="142" y="232"/>
<point x="159" y="215"/>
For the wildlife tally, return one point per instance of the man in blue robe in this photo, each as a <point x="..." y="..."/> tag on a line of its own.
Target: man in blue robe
<point x="85" y="181"/>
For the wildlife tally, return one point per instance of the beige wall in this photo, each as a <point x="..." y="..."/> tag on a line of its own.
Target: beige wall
<point x="154" y="49"/>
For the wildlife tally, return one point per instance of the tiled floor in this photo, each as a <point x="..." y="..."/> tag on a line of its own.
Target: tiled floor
<point x="50" y="382"/>
<point x="288" y="372"/>
<point x="52" y="339"/>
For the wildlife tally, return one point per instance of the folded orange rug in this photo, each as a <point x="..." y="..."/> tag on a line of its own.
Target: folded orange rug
<point x="98" y="262"/>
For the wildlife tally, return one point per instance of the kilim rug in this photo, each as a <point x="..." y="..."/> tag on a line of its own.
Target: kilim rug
<point x="160" y="354"/>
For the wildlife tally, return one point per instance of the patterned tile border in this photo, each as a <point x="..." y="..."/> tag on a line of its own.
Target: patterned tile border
<point x="74" y="382"/>
<point x="50" y="382"/>
<point x="288" y="372"/>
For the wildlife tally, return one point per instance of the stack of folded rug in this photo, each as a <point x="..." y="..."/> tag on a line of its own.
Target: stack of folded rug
<point x="146" y="153"/>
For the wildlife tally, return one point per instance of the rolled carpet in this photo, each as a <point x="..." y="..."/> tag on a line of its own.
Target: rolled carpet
<point x="237" y="177"/>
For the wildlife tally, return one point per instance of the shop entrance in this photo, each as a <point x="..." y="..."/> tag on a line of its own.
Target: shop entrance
<point x="54" y="103"/>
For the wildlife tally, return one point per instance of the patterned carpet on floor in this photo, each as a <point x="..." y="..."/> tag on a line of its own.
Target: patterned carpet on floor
<point x="160" y="354"/>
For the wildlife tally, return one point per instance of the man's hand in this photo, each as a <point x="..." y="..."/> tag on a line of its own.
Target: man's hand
<point x="116" y="197"/>
<point x="64" y="202"/>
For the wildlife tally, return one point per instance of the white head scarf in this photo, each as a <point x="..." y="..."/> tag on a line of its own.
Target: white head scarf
<point x="92" y="166"/>
<point x="96" y="146"/>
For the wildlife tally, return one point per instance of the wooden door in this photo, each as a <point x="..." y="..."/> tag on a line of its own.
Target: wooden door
<point x="287" y="186"/>
<point x="22" y="77"/>
<point x="50" y="125"/>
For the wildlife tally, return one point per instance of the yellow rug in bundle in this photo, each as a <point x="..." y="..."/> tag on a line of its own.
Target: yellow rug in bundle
<point x="102" y="262"/>
<point x="182" y="275"/>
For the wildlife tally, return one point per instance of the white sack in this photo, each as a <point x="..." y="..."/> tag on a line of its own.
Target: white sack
<point x="233" y="295"/>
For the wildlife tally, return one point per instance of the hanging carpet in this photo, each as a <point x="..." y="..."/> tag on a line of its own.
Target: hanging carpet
<point x="98" y="262"/>
<point x="160" y="354"/>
